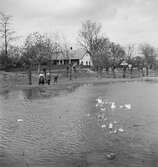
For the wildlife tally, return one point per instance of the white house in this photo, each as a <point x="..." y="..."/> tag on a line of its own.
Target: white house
<point x="86" y="60"/>
<point x="76" y="57"/>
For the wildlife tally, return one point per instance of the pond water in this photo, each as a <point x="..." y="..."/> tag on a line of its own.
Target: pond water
<point x="74" y="129"/>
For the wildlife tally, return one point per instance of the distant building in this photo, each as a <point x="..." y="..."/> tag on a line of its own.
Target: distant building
<point x="75" y="57"/>
<point x="86" y="60"/>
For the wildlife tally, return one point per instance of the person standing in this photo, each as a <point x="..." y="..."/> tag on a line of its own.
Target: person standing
<point x="48" y="78"/>
<point x="44" y="72"/>
<point x="41" y="79"/>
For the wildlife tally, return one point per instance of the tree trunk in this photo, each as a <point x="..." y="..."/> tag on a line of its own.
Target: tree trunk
<point x="113" y="72"/>
<point x="67" y="71"/>
<point x="30" y="75"/>
<point x="124" y="72"/>
<point x="50" y="63"/>
<point x="70" y="74"/>
<point x="39" y="68"/>
<point x="147" y="71"/>
<point x="107" y="70"/>
<point x="100" y="71"/>
<point x="5" y="40"/>
<point x="131" y="71"/>
<point x="142" y="72"/>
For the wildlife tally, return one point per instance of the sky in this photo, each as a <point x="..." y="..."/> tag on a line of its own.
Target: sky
<point x="123" y="21"/>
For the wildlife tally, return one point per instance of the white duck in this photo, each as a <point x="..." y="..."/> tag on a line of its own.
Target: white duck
<point x="113" y="106"/>
<point x="110" y="126"/>
<point x="128" y="106"/>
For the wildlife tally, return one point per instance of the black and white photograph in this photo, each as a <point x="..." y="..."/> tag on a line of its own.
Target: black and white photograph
<point x="78" y="83"/>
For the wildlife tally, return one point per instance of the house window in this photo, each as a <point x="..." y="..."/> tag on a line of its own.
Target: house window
<point x="81" y="62"/>
<point x="86" y="62"/>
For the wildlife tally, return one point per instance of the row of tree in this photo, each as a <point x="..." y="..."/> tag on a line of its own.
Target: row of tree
<point x="103" y="52"/>
<point x="106" y="54"/>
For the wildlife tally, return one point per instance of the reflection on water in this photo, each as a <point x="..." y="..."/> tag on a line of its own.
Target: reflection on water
<point x="32" y="93"/>
<point x="64" y="131"/>
<point x="28" y="93"/>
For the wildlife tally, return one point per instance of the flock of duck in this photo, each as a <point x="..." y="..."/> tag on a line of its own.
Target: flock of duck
<point x="104" y="107"/>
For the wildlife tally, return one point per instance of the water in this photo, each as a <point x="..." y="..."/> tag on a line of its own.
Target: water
<point x="64" y="131"/>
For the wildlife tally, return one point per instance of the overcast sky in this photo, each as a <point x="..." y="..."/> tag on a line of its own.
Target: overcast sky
<point x="123" y="21"/>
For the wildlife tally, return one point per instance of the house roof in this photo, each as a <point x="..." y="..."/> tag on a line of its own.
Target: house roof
<point x="72" y="54"/>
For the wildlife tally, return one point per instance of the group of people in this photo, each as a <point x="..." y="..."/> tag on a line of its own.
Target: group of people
<point x="45" y="77"/>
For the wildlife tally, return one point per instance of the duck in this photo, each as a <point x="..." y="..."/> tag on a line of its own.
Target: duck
<point x="113" y="106"/>
<point x="103" y="126"/>
<point x="110" y="125"/>
<point x="128" y="106"/>
<point x="19" y="120"/>
<point x="99" y="100"/>
<point x="111" y="156"/>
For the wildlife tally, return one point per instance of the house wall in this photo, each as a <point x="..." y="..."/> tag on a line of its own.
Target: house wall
<point x="86" y="60"/>
<point x="75" y="61"/>
<point x="67" y="61"/>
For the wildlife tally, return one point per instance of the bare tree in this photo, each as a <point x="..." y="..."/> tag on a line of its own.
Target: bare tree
<point x="118" y="53"/>
<point x="130" y="50"/>
<point x="149" y="56"/>
<point x="54" y="49"/>
<point x="117" y="56"/>
<point x="40" y="48"/>
<point x="88" y="35"/>
<point x="34" y="48"/>
<point x="37" y="48"/>
<point x="102" y="54"/>
<point x="6" y="32"/>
